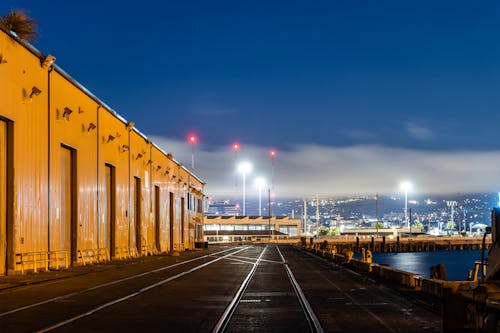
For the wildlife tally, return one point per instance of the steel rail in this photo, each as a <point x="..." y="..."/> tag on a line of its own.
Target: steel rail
<point x="311" y="317"/>
<point x="347" y="295"/>
<point x="107" y="284"/>
<point x="229" y="311"/>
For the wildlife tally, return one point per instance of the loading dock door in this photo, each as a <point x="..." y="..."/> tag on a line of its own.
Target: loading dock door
<point x="171" y="219"/>
<point x="183" y="218"/>
<point x="110" y="210"/>
<point x="67" y="231"/>
<point x="137" y="210"/>
<point x="157" y="218"/>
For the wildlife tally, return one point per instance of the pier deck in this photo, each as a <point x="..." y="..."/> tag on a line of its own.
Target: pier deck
<point x="396" y="244"/>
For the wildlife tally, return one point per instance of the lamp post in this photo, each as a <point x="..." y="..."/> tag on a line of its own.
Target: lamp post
<point x="260" y="183"/>
<point x="244" y="168"/>
<point x="406" y="186"/>
<point x="192" y="139"/>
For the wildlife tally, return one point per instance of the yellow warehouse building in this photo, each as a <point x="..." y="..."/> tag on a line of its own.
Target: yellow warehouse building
<point x="78" y="183"/>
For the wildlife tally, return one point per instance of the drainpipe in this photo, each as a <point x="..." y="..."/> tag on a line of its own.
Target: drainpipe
<point x="97" y="179"/>
<point x="51" y="68"/>
<point x="151" y="217"/>
<point x="129" y="194"/>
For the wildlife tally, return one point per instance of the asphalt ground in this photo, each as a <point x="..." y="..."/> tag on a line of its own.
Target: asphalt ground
<point x="190" y="293"/>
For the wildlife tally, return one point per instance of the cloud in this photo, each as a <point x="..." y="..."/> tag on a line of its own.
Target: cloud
<point x="419" y="132"/>
<point x="362" y="169"/>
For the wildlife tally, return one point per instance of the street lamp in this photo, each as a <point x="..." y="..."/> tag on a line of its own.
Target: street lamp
<point x="260" y="183"/>
<point x="244" y="168"/>
<point x="406" y="186"/>
<point x="192" y="139"/>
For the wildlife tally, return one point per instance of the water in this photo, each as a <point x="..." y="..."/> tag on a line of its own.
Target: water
<point x="457" y="263"/>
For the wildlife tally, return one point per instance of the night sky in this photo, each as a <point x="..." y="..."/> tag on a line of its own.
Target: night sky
<point x="356" y="96"/>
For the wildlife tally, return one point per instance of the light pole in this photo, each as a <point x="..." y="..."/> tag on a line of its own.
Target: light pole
<point x="406" y="186"/>
<point x="271" y="232"/>
<point x="244" y="168"/>
<point x="260" y="183"/>
<point x="192" y="139"/>
<point x="273" y="155"/>
<point x="236" y="148"/>
<point x="272" y="192"/>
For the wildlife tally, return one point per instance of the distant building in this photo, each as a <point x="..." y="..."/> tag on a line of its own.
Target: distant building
<point x="250" y="228"/>
<point x="222" y="209"/>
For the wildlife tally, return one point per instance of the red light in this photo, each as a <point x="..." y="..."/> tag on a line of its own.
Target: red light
<point x="192" y="139"/>
<point x="272" y="153"/>
<point x="236" y="146"/>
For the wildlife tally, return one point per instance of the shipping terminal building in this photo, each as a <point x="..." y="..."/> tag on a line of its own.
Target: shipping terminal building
<point x="221" y="229"/>
<point x="78" y="183"/>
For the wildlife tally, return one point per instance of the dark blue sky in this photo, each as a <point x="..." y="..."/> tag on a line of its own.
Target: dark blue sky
<point x="411" y="74"/>
<point x="356" y="95"/>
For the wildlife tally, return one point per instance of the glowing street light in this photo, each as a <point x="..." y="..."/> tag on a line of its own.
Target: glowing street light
<point x="260" y="183"/>
<point x="406" y="186"/>
<point x="244" y="168"/>
<point x="192" y="139"/>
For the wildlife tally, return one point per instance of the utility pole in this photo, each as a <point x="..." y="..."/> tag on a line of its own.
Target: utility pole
<point x="376" y="212"/>
<point x="410" y="223"/>
<point x="269" y="208"/>
<point x="305" y="216"/>
<point x="317" y="214"/>
<point x="459" y="220"/>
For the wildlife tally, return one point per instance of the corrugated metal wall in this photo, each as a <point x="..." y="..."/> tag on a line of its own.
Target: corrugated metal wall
<point x="79" y="184"/>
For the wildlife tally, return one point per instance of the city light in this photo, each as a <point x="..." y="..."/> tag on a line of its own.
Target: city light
<point x="452" y="204"/>
<point x="244" y="168"/>
<point x="260" y="183"/>
<point x="406" y="186"/>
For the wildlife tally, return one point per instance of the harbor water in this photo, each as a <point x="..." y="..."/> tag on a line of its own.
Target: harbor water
<point x="458" y="263"/>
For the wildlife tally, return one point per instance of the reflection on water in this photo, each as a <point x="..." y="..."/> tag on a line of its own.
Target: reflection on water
<point x="457" y="263"/>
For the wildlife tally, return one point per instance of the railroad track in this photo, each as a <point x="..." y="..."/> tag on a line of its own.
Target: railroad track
<point x="309" y="315"/>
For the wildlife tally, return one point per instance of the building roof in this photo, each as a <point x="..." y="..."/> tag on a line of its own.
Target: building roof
<point x="68" y="77"/>
<point x="240" y="217"/>
<point x="242" y="233"/>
